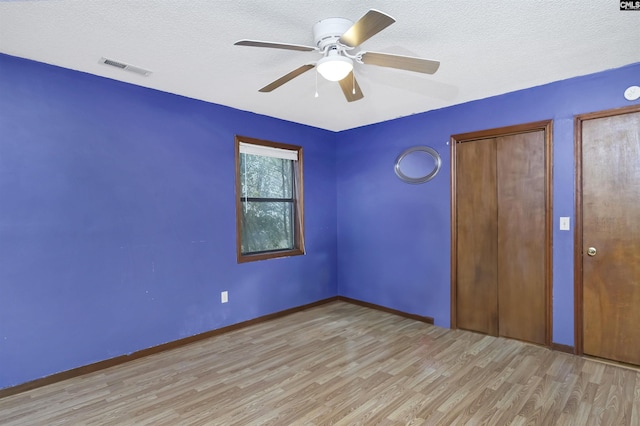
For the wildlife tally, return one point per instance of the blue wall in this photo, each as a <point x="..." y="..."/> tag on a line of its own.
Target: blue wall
<point x="117" y="220"/>
<point x="394" y="238"/>
<point x="117" y="214"/>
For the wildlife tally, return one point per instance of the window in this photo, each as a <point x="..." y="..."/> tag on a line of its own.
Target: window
<point x="269" y="200"/>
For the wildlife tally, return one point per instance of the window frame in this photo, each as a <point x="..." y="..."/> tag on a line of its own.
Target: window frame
<point x="298" y="203"/>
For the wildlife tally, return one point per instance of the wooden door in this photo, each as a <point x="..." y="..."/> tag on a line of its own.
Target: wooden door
<point x="501" y="232"/>
<point x="611" y="224"/>
<point x="521" y="236"/>
<point x="477" y="230"/>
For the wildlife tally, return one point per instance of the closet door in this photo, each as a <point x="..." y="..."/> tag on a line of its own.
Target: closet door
<point x="521" y="236"/>
<point x="501" y="232"/>
<point x="477" y="266"/>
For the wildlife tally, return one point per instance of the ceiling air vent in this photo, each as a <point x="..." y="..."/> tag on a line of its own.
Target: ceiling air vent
<point x="124" y="66"/>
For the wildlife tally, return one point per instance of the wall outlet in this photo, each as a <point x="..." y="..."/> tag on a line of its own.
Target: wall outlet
<point x="224" y="297"/>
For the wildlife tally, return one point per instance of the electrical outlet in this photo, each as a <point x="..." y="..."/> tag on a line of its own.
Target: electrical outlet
<point x="224" y="297"/>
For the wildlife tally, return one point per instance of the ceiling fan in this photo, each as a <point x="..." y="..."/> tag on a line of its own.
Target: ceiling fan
<point x="337" y="39"/>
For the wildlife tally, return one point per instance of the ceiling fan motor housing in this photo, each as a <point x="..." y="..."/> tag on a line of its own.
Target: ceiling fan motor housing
<point x="328" y="31"/>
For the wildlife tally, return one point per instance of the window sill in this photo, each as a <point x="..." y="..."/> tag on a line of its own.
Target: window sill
<point x="244" y="258"/>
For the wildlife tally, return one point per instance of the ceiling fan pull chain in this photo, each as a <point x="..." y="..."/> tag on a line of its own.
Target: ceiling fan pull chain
<point x="317" y="85"/>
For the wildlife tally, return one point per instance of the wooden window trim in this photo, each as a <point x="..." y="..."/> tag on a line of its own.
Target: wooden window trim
<point x="298" y="203"/>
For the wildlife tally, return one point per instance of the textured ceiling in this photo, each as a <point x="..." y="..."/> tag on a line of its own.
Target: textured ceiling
<point x="486" y="47"/>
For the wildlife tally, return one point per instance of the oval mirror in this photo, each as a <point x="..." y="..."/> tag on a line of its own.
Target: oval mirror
<point x="418" y="164"/>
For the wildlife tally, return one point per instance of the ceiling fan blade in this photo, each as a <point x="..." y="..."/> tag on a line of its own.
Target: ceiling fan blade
<point x="275" y="45"/>
<point x="350" y="88"/>
<point x="287" y="77"/>
<point x="366" y="27"/>
<point x="408" y="63"/>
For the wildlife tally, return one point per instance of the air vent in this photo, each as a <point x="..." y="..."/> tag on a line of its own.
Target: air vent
<point x="123" y="66"/>
<point x="114" y="63"/>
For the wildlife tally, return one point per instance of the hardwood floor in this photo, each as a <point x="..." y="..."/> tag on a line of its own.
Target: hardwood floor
<point x="341" y="364"/>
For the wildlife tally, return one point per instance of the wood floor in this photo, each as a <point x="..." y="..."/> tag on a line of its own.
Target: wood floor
<point x="341" y="364"/>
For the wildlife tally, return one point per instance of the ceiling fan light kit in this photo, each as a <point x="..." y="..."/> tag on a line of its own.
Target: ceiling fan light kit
<point x="335" y="67"/>
<point x="335" y="39"/>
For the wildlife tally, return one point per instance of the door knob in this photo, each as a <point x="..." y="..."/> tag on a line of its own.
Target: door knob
<point x="591" y="251"/>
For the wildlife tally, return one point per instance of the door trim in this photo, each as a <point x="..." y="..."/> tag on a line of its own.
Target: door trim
<point x="546" y="126"/>
<point x="578" y="242"/>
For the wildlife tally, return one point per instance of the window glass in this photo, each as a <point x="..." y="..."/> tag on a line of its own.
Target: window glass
<point x="267" y="226"/>
<point x="266" y="176"/>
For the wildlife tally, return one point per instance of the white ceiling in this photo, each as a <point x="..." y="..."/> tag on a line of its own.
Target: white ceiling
<point x="486" y="48"/>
